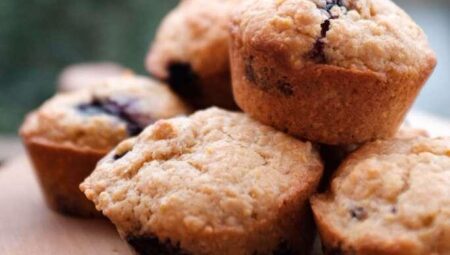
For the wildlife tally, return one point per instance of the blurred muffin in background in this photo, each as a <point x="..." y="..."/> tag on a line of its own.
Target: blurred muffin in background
<point x="190" y="52"/>
<point x="83" y="75"/>
<point x="70" y="132"/>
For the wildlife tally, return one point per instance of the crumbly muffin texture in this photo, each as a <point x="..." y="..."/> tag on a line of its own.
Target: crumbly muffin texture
<point x="373" y="35"/>
<point x="390" y="197"/>
<point x="98" y="118"/>
<point x="335" y="72"/>
<point x="213" y="183"/>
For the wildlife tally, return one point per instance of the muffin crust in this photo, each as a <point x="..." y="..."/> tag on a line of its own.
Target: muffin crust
<point x="214" y="183"/>
<point x="100" y="117"/>
<point x="334" y="72"/>
<point x="389" y="197"/>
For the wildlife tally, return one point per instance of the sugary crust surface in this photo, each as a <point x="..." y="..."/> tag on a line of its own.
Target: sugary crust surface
<point x="389" y="197"/>
<point x="364" y="35"/>
<point x="59" y="120"/>
<point x="291" y="70"/>
<point x="195" y="32"/>
<point x="213" y="183"/>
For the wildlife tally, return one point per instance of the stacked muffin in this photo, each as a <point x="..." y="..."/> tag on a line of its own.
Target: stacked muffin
<point x="68" y="135"/>
<point x="317" y="80"/>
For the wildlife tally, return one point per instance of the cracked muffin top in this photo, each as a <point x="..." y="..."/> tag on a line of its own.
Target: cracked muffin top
<point x="373" y="35"/>
<point x="194" y="33"/>
<point x="204" y="177"/>
<point x="101" y="116"/>
<point x="389" y="197"/>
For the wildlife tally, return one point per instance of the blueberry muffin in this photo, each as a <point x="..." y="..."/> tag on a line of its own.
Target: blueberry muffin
<point x="190" y="52"/>
<point x="216" y="182"/>
<point x="331" y="71"/>
<point x="68" y="135"/>
<point x="84" y="75"/>
<point x="389" y="197"/>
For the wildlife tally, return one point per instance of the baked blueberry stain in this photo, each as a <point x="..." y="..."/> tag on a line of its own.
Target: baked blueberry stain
<point x="282" y="86"/>
<point x="114" y="108"/>
<point x="119" y="156"/>
<point x="334" y="251"/>
<point x="285" y="88"/>
<point x="358" y="213"/>
<point x="284" y="249"/>
<point x="249" y="71"/>
<point x="184" y="81"/>
<point x="394" y="210"/>
<point x="317" y="53"/>
<point x="151" y="245"/>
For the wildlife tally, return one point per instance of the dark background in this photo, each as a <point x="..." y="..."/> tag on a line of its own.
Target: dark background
<point x="40" y="37"/>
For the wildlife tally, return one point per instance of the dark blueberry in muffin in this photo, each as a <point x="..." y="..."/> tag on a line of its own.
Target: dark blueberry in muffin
<point x="135" y="124"/>
<point x="334" y="251"/>
<point x="285" y="88"/>
<point x="184" y="81"/>
<point x="394" y="210"/>
<point x="249" y="72"/>
<point x="358" y="213"/>
<point x="317" y="53"/>
<point x="119" y="156"/>
<point x="150" y="245"/>
<point x="283" y="249"/>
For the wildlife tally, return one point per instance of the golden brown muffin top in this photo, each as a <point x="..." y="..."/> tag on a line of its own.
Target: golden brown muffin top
<point x="99" y="117"/>
<point x="204" y="177"/>
<point x="363" y="35"/>
<point x="390" y="197"/>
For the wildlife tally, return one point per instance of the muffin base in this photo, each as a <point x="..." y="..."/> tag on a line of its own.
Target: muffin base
<point x="321" y="103"/>
<point x="60" y="170"/>
<point x="301" y="234"/>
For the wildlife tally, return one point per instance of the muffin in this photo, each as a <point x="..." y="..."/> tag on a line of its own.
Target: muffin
<point x="84" y="75"/>
<point x="68" y="135"/>
<point x="334" y="72"/>
<point x="216" y="182"/>
<point x="389" y="197"/>
<point x="190" y="52"/>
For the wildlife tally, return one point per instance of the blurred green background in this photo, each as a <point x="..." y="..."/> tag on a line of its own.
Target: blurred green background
<point x="40" y="37"/>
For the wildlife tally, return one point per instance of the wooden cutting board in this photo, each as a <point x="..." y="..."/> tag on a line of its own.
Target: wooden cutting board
<point x="27" y="227"/>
